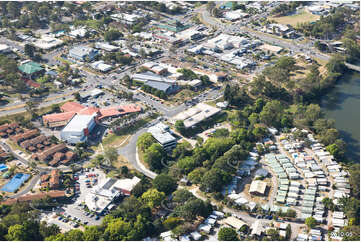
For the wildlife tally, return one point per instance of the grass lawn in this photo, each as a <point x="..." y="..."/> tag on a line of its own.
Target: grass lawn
<point x="182" y="96"/>
<point x="302" y="17"/>
<point x="115" y="140"/>
<point x="122" y="161"/>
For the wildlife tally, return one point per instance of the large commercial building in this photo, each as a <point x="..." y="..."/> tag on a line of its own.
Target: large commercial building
<point x="166" y="85"/>
<point x="162" y="134"/>
<point x="102" y="195"/>
<point x="78" y="129"/>
<point x="82" y="53"/>
<point x="191" y="117"/>
<point x="70" y="109"/>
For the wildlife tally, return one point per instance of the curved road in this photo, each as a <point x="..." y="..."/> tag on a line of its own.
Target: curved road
<point x="129" y="151"/>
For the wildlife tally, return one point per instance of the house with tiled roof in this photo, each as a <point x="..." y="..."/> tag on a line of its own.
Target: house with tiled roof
<point x="35" y="141"/>
<point x="26" y="135"/>
<point x="48" y="153"/>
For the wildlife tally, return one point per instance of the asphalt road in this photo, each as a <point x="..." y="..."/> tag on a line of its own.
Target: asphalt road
<point x="129" y="151"/>
<point x="238" y="28"/>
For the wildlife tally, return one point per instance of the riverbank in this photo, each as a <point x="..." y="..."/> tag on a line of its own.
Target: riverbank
<point x="342" y="103"/>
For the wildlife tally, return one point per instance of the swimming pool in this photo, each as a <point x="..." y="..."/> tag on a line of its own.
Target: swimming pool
<point x="15" y="182"/>
<point x="3" y="167"/>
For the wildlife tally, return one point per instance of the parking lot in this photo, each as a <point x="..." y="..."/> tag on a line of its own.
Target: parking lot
<point x="75" y="211"/>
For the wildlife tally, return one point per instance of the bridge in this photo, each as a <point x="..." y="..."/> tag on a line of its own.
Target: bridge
<point x="352" y="67"/>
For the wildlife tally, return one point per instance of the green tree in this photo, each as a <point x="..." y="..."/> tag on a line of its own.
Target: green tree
<point x="92" y="233"/>
<point x="153" y="156"/>
<point x="196" y="175"/>
<point x="354" y="171"/>
<point x="16" y="232"/>
<point x="329" y="137"/>
<point x="193" y="208"/>
<point x="227" y="234"/>
<point x="145" y="141"/>
<point x="179" y="126"/>
<point x="111" y="35"/>
<point x="313" y="112"/>
<point x="214" y="180"/>
<point x="153" y="197"/>
<point x="311" y="222"/>
<point x="165" y="183"/>
<point x="77" y="96"/>
<point x="171" y="222"/>
<point x="29" y="50"/>
<point x="117" y="229"/>
<point x="181" y="196"/>
<point x="50" y="230"/>
<point x="259" y="132"/>
<point x="111" y="154"/>
<point x="130" y="208"/>
<point x="286" y="63"/>
<point x="74" y="235"/>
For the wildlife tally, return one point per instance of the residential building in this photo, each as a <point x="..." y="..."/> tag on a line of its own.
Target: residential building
<point x="234" y="222"/>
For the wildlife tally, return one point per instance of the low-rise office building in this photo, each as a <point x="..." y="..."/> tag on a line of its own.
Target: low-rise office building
<point x="192" y="116"/>
<point x="83" y="53"/>
<point x="161" y="132"/>
<point x="102" y="195"/>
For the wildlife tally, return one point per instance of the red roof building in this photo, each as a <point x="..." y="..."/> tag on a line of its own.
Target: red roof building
<point x="69" y="109"/>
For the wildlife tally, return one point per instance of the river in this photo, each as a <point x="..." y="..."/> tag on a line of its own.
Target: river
<point x="342" y="104"/>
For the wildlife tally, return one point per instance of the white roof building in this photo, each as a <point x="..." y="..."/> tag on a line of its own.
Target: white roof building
<point x="4" y="48"/>
<point x="78" y="128"/>
<point x="101" y="66"/>
<point x="257" y="228"/>
<point x="47" y="42"/>
<point x="235" y="15"/>
<point x="102" y="195"/>
<point x="258" y="187"/>
<point x="196" y="114"/>
<point x="161" y="133"/>
<point x="106" y="47"/>
<point x="78" y="33"/>
<point x="234" y="222"/>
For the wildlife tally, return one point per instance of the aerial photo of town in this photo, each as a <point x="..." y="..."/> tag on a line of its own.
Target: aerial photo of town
<point x="180" y="120"/>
